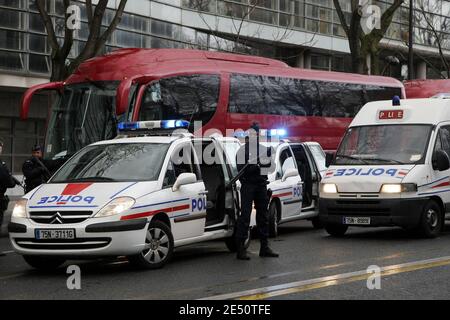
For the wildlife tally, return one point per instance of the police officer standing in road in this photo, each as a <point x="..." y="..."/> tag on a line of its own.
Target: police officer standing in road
<point x="254" y="161"/>
<point x="6" y="181"/>
<point x="37" y="170"/>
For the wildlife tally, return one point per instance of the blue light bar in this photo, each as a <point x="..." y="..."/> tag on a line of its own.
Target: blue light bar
<point x="149" y="125"/>
<point x="396" y="101"/>
<point x="277" y="132"/>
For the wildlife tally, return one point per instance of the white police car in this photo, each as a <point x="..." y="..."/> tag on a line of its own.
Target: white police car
<point x="392" y="168"/>
<point x="138" y="196"/>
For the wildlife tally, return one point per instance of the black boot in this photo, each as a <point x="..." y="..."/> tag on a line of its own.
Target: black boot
<point x="267" y="252"/>
<point x="241" y="251"/>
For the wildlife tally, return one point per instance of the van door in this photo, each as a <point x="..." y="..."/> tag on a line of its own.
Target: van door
<point x="442" y="177"/>
<point x="187" y="205"/>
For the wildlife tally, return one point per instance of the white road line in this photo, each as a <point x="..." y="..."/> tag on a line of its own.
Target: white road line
<point x="327" y="279"/>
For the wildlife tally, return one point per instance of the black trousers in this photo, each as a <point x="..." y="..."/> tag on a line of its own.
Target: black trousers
<point x="253" y="193"/>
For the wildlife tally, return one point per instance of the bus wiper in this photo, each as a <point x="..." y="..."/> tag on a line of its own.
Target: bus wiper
<point x="95" y="83"/>
<point x="351" y="157"/>
<point x="382" y="159"/>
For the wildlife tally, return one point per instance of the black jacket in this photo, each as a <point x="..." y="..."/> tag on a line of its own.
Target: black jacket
<point x="36" y="174"/>
<point x="6" y="179"/>
<point x="256" y="161"/>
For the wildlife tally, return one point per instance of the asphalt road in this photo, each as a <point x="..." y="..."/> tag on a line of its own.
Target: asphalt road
<point x="312" y="265"/>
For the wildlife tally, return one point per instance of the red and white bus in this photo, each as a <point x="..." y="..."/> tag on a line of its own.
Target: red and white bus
<point x="223" y="90"/>
<point x="426" y="88"/>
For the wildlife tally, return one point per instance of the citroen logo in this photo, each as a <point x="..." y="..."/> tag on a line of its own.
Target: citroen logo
<point x="57" y="218"/>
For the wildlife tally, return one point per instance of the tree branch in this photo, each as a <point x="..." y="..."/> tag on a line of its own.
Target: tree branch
<point x="89" y="12"/>
<point x="68" y="34"/>
<point x="114" y="23"/>
<point x="341" y="16"/>
<point x="48" y="26"/>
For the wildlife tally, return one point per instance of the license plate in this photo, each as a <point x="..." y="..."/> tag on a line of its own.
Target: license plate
<point x="357" y="220"/>
<point x="55" y="233"/>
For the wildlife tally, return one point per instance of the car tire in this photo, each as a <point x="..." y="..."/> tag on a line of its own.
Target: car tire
<point x="431" y="220"/>
<point x="44" y="263"/>
<point x="159" y="247"/>
<point x="273" y="220"/>
<point x="336" y="230"/>
<point x="317" y="224"/>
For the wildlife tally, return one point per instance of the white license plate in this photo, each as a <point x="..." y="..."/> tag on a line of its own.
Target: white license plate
<point x="55" y="233"/>
<point x="357" y="220"/>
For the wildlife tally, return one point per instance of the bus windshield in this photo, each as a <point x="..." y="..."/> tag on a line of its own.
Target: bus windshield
<point x="84" y="114"/>
<point x="384" y="144"/>
<point x="192" y="98"/>
<point x="114" y="162"/>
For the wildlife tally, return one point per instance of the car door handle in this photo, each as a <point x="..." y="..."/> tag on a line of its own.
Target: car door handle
<point x="203" y="193"/>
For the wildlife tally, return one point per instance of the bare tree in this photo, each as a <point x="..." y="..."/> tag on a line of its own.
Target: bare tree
<point x="94" y="44"/>
<point x="364" y="45"/>
<point x="435" y="36"/>
<point x="235" y="40"/>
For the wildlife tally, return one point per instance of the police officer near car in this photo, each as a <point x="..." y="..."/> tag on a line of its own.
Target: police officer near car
<point x="7" y="180"/>
<point x="254" y="162"/>
<point x="37" y="170"/>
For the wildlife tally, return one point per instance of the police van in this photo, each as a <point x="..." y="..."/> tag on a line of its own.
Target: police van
<point x="139" y="195"/>
<point x="391" y="168"/>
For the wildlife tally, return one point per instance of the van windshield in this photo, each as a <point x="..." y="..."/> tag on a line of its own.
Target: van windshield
<point x="384" y="144"/>
<point x="114" y="162"/>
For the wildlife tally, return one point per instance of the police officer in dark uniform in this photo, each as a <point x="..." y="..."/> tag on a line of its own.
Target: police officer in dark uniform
<point x="37" y="170"/>
<point x="6" y="181"/>
<point x="255" y="162"/>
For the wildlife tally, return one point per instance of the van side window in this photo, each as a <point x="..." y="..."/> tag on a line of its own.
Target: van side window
<point x="443" y="140"/>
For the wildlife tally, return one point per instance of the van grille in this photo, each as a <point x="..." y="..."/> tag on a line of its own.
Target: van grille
<point x="60" y="244"/>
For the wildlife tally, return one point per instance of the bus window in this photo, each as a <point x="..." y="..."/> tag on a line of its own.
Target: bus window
<point x="192" y="98"/>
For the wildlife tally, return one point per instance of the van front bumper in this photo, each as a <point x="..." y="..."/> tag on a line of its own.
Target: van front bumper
<point x="92" y="238"/>
<point x="405" y="213"/>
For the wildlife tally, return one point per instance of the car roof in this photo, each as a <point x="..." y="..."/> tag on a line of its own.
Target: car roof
<point x="143" y="139"/>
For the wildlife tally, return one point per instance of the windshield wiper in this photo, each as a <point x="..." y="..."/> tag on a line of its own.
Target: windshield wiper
<point x="351" y="157"/>
<point x="386" y="160"/>
<point x="90" y="179"/>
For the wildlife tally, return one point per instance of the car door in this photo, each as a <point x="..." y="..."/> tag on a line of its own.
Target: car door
<point x="187" y="204"/>
<point x="289" y="191"/>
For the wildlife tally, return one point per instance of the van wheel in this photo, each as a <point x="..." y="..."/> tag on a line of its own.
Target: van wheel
<point x="231" y="244"/>
<point x="273" y="220"/>
<point x="44" y="263"/>
<point x="158" y="247"/>
<point x="431" y="221"/>
<point x="336" y="230"/>
<point x="317" y="224"/>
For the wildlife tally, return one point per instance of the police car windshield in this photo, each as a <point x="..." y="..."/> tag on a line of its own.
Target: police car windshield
<point x="114" y="162"/>
<point x="384" y="144"/>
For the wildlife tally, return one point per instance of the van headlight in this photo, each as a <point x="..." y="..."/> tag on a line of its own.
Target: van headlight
<point x="116" y="206"/>
<point x="329" y="188"/>
<point x="398" y="187"/>
<point x="20" y="209"/>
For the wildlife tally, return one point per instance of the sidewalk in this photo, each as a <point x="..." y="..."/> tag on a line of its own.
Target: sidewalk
<point x="7" y="216"/>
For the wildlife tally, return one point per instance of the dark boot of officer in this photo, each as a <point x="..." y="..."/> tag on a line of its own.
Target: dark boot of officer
<point x="265" y="251"/>
<point x="241" y="250"/>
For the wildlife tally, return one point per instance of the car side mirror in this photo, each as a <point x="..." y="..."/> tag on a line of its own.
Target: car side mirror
<point x="183" y="179"/>
<point x="440" y="160"/>
<point x="292" y="172"/>
<point x="329" y="157"/>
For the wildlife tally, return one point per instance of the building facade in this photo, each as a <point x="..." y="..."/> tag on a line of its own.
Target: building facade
<point x="303" y="33"/>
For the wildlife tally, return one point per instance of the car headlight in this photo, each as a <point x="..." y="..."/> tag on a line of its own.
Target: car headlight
<point x="329" y="188"/>
<point x="116" y="206"/>
<point x="20" y="209"/>
<point x="398" y="187"/>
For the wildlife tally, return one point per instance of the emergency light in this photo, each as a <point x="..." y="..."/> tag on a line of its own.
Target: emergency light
<point x="148" y="125"/>
<point x="263" y="132"/>
<point x="396" y="101"/>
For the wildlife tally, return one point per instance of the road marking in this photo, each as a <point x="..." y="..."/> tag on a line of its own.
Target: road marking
<point x="305" y="285"/>
<point x="7" y="252"/>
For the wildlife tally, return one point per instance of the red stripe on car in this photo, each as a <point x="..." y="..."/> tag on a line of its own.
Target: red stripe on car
<point x="282" y="194"/>
<point x="75" y="188"/>
<point x="153" y="212"/>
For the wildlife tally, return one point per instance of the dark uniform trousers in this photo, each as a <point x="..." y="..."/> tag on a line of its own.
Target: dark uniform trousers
<point x="253" y="193"/>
